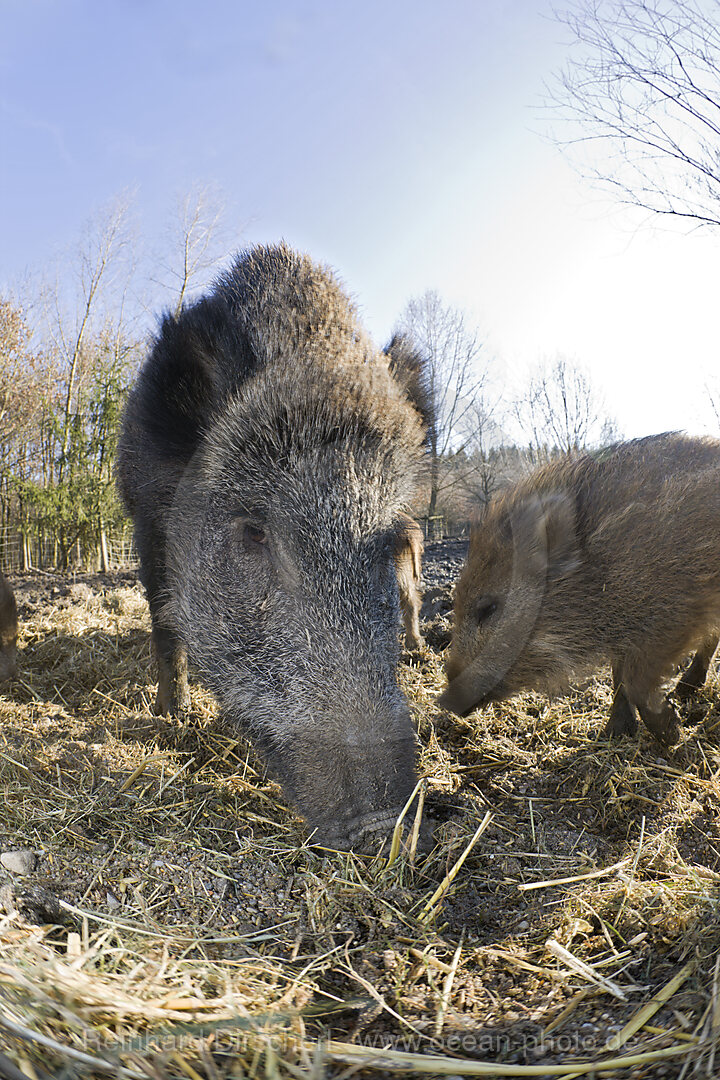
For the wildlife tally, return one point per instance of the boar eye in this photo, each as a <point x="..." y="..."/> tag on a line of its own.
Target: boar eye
<point x="254" y="536"/>
<point x="487" y="607"/>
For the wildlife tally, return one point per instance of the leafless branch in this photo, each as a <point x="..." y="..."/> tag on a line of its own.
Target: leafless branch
<point x="638" y="102"/>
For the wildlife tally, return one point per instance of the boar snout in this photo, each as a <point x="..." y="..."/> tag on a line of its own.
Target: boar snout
<point x="371" y="834"/>
<point x="465" y="693"/>
<point x="349" y="791"/>
<point x="469" y="687"/>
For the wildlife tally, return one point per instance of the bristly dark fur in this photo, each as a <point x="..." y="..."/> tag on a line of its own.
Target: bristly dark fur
<point x="266" y="453"/>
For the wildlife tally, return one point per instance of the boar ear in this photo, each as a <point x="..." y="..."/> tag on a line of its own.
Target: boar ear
<point x="409" y="368"/>
<point x="545" y="534"/>
<point x="561" y="537"/>
<point x="185" y="379"/>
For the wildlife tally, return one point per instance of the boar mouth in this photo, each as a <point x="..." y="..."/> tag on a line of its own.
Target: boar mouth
<point x="366" y="835"/>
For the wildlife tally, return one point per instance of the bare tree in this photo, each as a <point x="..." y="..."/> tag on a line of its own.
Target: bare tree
<point x="456" y="377"/>
<point x="197" y="243"/>
<point x="562" y="411"/>
<point x="642" y="91"/>
<point x="481" y="471"/>
<point x="18" y="366"/>
<point x="24" y="391"/>
<point x="87" y="301"/>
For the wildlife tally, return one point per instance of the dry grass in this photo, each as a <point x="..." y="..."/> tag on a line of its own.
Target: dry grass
<point x="566" y="923"/>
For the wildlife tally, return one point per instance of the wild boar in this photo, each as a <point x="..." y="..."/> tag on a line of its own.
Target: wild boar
<point x="608" y="557"/>
<point x="408" y="565"/>
<point x="266" y="452"/>
<point x="8" y="631"/>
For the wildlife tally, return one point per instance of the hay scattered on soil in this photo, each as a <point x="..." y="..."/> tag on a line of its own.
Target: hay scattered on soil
<point x="177" y="925"/>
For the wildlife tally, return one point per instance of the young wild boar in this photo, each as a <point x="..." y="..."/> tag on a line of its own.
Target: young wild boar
<point x="408" y="565"/>
<point x="609" y="557"/>
<point x="8" y="630"/>
<point x="266" y="452"/>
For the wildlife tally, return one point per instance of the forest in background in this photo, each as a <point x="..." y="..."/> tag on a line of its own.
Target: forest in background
<point x="71" y="343"/>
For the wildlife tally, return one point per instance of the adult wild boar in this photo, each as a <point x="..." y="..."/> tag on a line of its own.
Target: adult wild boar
<point x="408" y="565"/>
<point x="613" y="557"/>
<point x="8" y="630"/>
<point x="266" y="452"/>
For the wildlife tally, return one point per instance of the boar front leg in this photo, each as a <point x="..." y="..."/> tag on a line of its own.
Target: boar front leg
<point x="636" y="688"/>
<point x="170" y="653"/>
<point x="642" y="684"/>
<point x="171" y="657"/>
<point x="410" y="607"/>
<point x="623" y="717"/>
<point x="693" y="679"/>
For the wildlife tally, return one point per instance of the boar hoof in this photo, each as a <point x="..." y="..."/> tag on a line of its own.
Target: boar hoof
<point x="664" y="725"/>
<point x="622" y="719"/>
<point x="172" y="702"/>
<point x="691" y="682"/>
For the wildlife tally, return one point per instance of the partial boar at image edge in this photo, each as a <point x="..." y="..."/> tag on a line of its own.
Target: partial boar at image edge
<point x="8" y="631"/>
<point x="267" y="450"/>
<point x="606" y="557"/>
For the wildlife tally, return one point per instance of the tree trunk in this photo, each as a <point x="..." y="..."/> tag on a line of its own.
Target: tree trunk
<point x="104" y="559"/>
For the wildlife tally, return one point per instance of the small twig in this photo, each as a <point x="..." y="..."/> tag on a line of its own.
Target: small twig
<point x="649" y="1009"/>
<point x="447" y="881"/>
<point x="415" y="831"/>
<point x="548" y="884"/>
<point x="633" y="868"/>
<point x="447" y="990"/>
<point x="378" y="996"/>
<point x="102" y="866"/>
<point x="397" y="831"/>
<point x="584" y="970"/>
<point x="175" y="776"/>
<point x="569" y="1009"/>
<point x="431" y="961"/>
<point x="140" y="770"/>
<point x="400" y="1061"/>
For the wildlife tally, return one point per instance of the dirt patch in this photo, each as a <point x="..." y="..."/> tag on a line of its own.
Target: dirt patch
<point x="196" y="934"/>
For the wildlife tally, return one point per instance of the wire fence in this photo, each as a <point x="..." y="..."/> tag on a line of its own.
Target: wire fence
<point x="11" y="551"/>
<point x="433" y="527"/>
<point x="121" y="553"/>
<point x="19" y="552"/>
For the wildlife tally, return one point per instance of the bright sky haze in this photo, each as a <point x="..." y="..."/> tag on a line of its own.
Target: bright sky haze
<point x="398" y="141"/>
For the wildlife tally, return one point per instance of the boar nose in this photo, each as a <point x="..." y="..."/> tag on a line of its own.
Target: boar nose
<point x="463" y="693"/>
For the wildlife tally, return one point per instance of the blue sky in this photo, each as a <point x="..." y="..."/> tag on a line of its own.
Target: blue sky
<point x="398" y="141"/>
